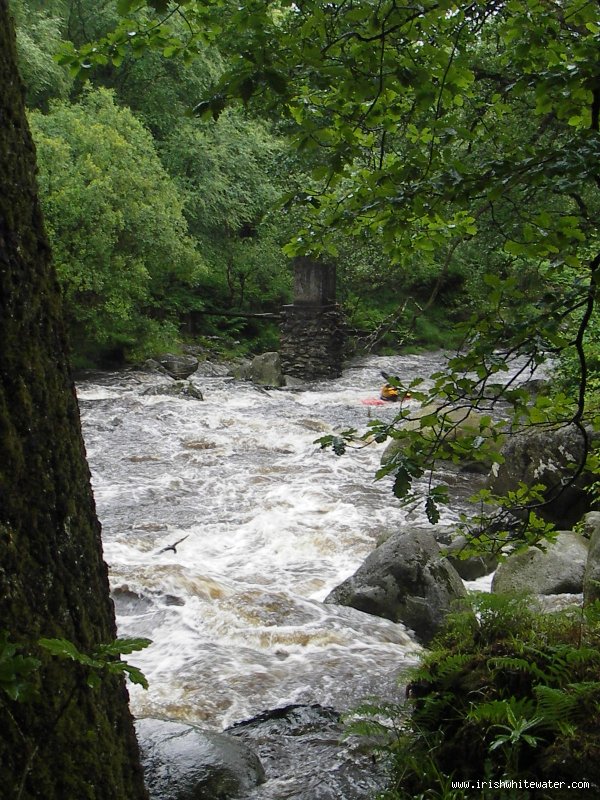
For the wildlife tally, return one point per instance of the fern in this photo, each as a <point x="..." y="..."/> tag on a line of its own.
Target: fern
<point x="441" y="667"/>
<point x="555" y="706"/>
<point x="452" y="667"/>
<point x="516" y="664"/>
<point x="505" y="692"/>
<point x="495" y="712"/>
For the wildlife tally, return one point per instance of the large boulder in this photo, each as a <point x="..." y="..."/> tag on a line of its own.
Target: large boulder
<point x="212" y="369"/>
<point x="182" y="762"/>
<point x="178" y="367"/>
<point x="266" y="370"/>
<point x="559" y="570"/>
<point x="406" y="579"/>
<point x="547" y="458"/>
<point x="241" y="369"/>
<point x="591" y="578"/>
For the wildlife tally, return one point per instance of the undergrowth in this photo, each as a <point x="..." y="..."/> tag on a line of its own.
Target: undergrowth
<point x="506" y="694"/>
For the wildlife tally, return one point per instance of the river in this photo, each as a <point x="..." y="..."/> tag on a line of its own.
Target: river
<point x="269" y="523"/>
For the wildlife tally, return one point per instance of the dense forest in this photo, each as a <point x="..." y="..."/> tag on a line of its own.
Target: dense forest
<point x="161" y="216"/>
<point x="159" y="219"/>
<point x="445" y="157"/>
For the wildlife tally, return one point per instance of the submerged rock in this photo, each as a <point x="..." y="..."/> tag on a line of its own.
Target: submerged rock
<point x="406" y="579"/>
<point x="183" y="762"/>
<point x="292" y="720"/>
<point x="185" y="389"/>
<point x="308" y="756"/>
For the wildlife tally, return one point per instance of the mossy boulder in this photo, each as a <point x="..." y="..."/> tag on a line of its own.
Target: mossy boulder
<point x="266" y="370"/>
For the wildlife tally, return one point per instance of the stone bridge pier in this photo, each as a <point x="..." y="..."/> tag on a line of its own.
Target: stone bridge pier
<point x="312" y="329"/>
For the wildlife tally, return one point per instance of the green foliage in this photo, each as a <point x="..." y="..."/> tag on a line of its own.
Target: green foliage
<point x="16" y="670"/>
<point x="115" y="221"/>
<point x="228" y="171"/>
<point x="454" y="169"/>
<point x="104" y="658"/>
<point x="468" y="129"/>
<point x="227" y="178"/>
<point x="505" y="693"/>
<point x="23" y="679"/>
<point x="39" y="36"/>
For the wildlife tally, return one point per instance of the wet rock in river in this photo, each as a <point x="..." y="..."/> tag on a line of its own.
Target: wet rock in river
<point x="266" y="370"/>
<point x="183" y="762"/>
<point x="291" y="720"/>
<point x="470" y="568"/>
<point x="307" y="756"/>
<point x="548" y="458"/>
<point x="152" y="365"/>
<point x="178" y="367"/>
<point x="406" y="579"/>
<point x="185" y="389"/>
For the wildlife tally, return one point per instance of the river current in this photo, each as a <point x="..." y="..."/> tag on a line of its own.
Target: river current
<point x="225" y="526"/>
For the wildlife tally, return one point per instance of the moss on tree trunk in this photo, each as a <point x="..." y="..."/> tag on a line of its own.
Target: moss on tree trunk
<point x="69" y="742"/>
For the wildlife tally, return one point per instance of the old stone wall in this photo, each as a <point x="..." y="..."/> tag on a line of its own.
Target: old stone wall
<point x="312" y="342"/>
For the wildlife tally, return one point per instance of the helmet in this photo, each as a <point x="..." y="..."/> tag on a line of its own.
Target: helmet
<point x="389" y="393"/>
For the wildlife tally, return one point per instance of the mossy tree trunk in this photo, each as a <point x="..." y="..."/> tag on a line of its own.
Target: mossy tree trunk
<point x="69" y="742"/>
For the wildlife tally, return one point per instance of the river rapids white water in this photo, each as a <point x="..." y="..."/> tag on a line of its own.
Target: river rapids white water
<point x="271" y="523"/>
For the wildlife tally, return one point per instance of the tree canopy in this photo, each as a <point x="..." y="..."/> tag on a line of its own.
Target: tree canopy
<point x="150" y="217"/>
<point x="116" y="220"/>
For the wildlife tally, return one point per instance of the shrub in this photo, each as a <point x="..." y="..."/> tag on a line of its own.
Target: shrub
<point x="506" y="693"/>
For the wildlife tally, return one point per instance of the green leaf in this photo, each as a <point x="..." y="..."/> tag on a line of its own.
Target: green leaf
<point x="432" y="511"/>
<point x="136" y="675"/>
<point x="402" y="482"/>
<point x="123" y="646"/>
<point x="276" y="81"/>
<point x="16" y="670"/>
<point x="62" y="648"/>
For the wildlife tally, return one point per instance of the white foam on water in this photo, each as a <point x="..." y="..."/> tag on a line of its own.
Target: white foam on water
<point x="226" y="526"/>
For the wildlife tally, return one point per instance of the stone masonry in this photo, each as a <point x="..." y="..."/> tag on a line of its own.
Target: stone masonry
<point x="312" y="329"/>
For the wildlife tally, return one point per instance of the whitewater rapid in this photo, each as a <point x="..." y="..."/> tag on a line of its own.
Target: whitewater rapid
<point x="269" y="523"/>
